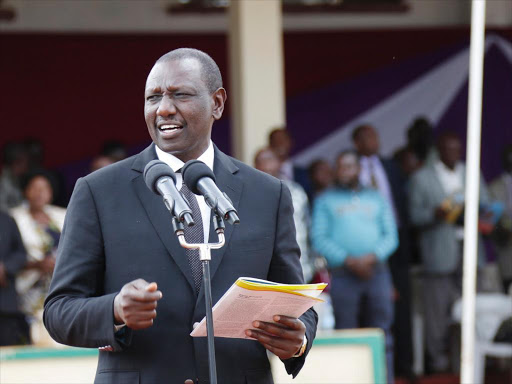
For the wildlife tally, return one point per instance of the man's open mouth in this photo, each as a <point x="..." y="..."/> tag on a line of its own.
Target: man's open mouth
<point x="169" y="127"/>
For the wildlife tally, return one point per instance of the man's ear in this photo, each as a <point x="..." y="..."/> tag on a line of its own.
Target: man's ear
<point x="219" y="99"/>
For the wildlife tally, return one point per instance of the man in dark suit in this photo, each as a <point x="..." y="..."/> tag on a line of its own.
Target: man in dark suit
<point x="119" y="257"/>
<point x="383" y="175"/>
<point x="13" y="327"/>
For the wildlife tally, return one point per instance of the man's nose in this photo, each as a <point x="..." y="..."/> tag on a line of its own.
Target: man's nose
<point x="166" y="107"/>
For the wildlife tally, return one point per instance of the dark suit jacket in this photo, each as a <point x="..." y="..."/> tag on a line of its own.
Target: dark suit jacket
<point x="117" y="230"/>
<point x="13" y="256"/>
<point x="397" y="184"/>
<point x="396" y="180"/>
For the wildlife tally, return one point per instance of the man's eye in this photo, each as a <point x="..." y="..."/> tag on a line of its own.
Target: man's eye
<point x="152" y="97"/>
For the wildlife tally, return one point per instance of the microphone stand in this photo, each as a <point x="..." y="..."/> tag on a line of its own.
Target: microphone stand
<point x="205" y="257"/>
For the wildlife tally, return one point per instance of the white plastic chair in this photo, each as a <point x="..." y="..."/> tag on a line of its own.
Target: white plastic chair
<point x="491" y="310"/>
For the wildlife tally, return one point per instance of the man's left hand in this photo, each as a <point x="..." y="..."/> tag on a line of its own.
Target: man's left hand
<point x="283" y="338"/>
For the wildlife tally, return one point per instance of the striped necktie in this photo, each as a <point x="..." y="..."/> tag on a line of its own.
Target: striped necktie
<point x="194" y="234"/>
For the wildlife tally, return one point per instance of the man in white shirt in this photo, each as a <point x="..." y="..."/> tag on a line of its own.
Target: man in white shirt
<point x="119" y="262"/>
<point x="436" y="201"/>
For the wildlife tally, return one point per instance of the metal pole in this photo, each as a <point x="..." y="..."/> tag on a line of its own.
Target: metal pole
<point x="476" y="59"/>
<point x="205" y="257"/>
<point x="209" y="322"/>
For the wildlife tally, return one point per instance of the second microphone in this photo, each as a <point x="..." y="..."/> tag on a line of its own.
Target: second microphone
<point x="200" y="179"/>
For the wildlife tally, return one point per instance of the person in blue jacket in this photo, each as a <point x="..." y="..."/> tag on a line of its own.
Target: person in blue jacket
<point x="354" y="229"/>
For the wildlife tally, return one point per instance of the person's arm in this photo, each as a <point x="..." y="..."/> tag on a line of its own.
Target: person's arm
<point x="421" y="212"/>
<point x="285" y="268"/>
<point x="17" y="256"/>
<point x="322" y="242"/>
<point x="77" y="311"/>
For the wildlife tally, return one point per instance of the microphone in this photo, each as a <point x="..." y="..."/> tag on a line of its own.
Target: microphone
<point x="161" y="179"/>
<point x="200" y="179"/>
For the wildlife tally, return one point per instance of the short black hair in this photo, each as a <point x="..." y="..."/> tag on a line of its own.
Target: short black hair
<point x="420" y="137"/>
<point x="275" y="132"/>
<point x="447" y="135"/>
<point x="358" y="130"/>
<point x="346" y="152"/>
<point x="27" y="177"/>
<point x="13" y="151"/>
<point x="209" y="69"/>
<point x="314" y="165"/>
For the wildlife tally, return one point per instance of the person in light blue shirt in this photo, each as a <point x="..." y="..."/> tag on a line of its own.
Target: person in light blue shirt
<point x="354" y="229"/>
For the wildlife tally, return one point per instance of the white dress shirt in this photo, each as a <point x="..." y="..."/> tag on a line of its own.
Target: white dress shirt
<point x="452" y="180"/>
<point x="176" y="164"/>
<point x="372" y="164"/>
<point x="286" y="170"/>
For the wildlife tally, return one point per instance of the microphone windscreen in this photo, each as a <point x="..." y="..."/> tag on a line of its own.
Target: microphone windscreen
<point x="193" y="171"/>
<point x="154" y="170"/>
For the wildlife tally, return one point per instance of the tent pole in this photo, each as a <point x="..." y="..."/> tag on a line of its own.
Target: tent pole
<point x="476" y="59"/>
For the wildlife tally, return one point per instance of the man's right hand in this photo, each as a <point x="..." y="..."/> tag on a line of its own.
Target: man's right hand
<point x="136" y="304"/>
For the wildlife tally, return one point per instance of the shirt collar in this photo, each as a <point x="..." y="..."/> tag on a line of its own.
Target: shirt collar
<point x="441" y="167"/>
<point x="368" y="159"/>
<point x="176" y="164"/>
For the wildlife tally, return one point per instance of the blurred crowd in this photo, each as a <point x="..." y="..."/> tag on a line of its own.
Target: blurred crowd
<point x="32" y="211"/>
<point x="372" y="227"/>
<point x="388" y="234"/>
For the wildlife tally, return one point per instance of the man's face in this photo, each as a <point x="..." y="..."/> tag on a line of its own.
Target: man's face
<point x="347" y="170"/>
<point x="450" y="151"/>
<point x="268" y="162"/>
<point x="322" y="175"/>
<point x="179" y="110"/>
<point x="367" y="142"/>
<point x="281" y="144"/>
<point x="39" y="192"/>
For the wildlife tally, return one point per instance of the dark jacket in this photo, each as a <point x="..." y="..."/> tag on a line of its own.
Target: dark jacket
<point x="117" y="230"/>
<point x="13" y="257"/>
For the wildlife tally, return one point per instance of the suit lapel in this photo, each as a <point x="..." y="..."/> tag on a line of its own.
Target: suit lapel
<point x="159" y="215"/>
<point x="225" y="171"/>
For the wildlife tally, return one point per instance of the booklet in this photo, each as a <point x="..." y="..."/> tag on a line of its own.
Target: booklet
<point x="251" y="299"/>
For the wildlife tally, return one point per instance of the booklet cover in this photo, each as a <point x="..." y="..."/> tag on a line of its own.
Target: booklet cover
<point x="251" y="299"/>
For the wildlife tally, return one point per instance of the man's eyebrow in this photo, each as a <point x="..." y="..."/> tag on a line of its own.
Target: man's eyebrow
<point x="153" y="90"/>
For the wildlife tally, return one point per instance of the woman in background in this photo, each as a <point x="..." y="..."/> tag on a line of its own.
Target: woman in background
<point x="40" y="225"/>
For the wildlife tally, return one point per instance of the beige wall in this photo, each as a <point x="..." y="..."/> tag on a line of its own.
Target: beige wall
<point x="257" y="74"/>
<point x="150" y="16"/>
